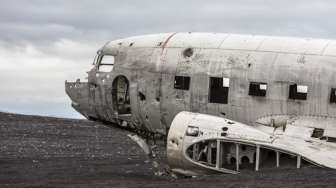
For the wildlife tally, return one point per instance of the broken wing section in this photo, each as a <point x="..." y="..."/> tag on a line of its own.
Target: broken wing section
<point x="204" y="144"/>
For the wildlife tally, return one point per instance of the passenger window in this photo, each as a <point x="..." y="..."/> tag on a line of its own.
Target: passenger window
<point x="182" y="82"/>
<point x="258" y="89"/>
<point x="331" y="139"/>
<point x="106" y="63"/>
<point x="317" y="133"/>
<point x="298" y="92"/>
<point x="219" y="90"/>
<point x="333" y="95"/>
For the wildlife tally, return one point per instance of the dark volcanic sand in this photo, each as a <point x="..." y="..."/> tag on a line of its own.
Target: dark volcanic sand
<point x="53" y="152"/>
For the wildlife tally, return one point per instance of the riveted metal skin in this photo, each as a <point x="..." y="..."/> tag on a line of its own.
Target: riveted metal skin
<point x="139" y="91"/>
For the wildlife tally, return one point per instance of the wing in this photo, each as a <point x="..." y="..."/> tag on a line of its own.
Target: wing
<point x="203" y="144"/>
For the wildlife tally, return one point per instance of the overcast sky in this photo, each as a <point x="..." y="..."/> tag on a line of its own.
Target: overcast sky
<point x="45" y="42"/>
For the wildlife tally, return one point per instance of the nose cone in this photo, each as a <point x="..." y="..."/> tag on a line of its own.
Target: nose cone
<point x="79" y="95"/>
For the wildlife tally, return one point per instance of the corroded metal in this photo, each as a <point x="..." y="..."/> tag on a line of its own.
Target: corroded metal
<point x="149" y="102"/>
<point x="237" y="136"/>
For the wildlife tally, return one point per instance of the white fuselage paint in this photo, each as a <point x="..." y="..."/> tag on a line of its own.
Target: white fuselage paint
<point x="151" y="62"/>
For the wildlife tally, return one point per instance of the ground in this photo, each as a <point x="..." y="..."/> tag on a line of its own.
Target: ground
<point x="54" y="152"/>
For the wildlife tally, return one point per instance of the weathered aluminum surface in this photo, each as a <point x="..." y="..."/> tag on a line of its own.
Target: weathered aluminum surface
<point x="293" y="140"/>
<point x="151" y="62"/>
<point x="233" y="42"/>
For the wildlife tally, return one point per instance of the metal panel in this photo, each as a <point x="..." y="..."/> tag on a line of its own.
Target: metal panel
<point x="197" y="40"/>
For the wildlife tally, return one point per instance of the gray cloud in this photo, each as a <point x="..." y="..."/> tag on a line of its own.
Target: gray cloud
<point x="42" y="43"/>
<point x="39" y="19"/>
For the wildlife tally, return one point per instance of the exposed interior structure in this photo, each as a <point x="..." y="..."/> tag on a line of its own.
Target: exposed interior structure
<point x="182" y="82"/>
<point x="298" y="92"/>
<point x="258" y="89"/>
<point x="227" y="146"/>
<point x="333" y="95"/>
<point x="120" y="95"/>
<point x="219" y="90"/>
<point x="221" y="154"/>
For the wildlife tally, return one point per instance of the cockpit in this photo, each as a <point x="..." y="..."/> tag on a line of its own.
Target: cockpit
<point x="104" y="62"/>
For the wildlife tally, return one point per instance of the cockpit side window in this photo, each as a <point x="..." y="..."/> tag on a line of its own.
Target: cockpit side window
<point x="106" y="63"/>
<point x="95" y="60"/>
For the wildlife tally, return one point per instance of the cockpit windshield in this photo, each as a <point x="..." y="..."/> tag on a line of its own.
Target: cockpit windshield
<point x="106" y="63"/>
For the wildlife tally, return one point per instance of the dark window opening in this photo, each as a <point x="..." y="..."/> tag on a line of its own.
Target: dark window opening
<point x="331" y="139"/>
<point x="219" y="90"/>
<point x="333" y="95"/>
<point x="298" y="92"/>
<point x="323" y="138"/>
<point x="317" y="133"/>
<point x="258" y="89"/>
<point x="182" y="82"/>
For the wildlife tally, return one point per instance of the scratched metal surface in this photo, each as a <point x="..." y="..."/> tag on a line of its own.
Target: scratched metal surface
<point x="151" y="62"/>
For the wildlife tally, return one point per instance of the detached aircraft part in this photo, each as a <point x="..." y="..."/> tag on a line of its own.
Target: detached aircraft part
<point x="141" y="143"/>
<point x="204" y="144"/>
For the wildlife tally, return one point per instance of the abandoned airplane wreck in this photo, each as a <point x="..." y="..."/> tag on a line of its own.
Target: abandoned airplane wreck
<point x="224" y="101"/>
<point x="196" y="148"/>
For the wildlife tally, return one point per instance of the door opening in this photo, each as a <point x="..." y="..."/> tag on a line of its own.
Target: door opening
<point x="120" y="95"/>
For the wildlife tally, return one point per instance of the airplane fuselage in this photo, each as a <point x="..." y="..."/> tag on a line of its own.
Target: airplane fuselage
<point x="246" y="78"/>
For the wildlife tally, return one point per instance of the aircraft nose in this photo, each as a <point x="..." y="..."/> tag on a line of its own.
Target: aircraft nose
<point x="79" y="95"/>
